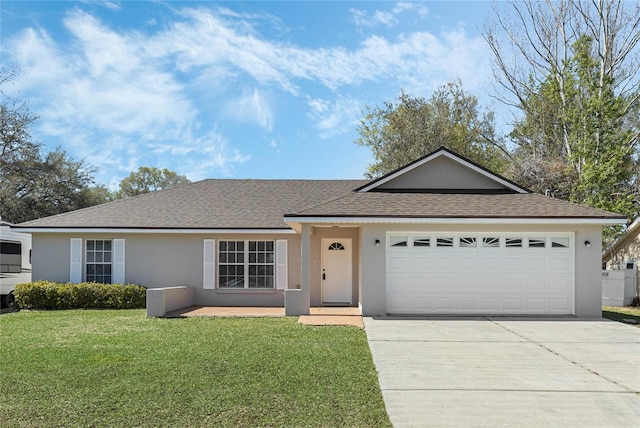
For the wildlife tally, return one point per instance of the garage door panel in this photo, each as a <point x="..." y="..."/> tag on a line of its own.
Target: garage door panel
<point x="560" y="284"/>
<point x="513" y="283"/>
<point x="398" y="263"/>
<point x="513" y="304"/>
<point x="490" y="304"/>
<point x="563" y="264"/>
<point x="537" y="263"/>
<point x="483" y="279"/>
<point x="467" y="304"/>
<point x="510" y="264"/>
<point x="560" y="305"/>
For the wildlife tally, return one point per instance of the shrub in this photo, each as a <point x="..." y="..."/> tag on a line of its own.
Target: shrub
<point x="86" y="295"/>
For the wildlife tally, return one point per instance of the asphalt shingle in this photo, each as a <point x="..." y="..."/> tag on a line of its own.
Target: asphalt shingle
<point x="262" y="204"/>
<point x="215" y="203"/>
<point x="451" y="205"/>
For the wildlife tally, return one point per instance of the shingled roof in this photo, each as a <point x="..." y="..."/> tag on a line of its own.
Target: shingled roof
<point x="208" y="204"/>
<point x="451" y="205"/>
<point x="281" y="204"/>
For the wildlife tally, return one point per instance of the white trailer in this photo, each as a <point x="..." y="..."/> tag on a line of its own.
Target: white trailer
<point x="15" y="262"/>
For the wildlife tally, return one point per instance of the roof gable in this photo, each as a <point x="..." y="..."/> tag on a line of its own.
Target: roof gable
<point x="442" y="171"/>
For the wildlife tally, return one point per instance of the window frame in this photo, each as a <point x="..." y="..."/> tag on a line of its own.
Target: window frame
<point x="11" y="256"/>
<point x="251" y="264"/>
<point x="98" y="277"/>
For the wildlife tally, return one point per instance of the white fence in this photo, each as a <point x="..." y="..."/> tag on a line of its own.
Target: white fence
<point x="618" y="287"/>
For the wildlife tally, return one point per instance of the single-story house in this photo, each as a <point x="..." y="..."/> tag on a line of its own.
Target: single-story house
<point x="625" y="250"/>
<point x="441" y="235"/>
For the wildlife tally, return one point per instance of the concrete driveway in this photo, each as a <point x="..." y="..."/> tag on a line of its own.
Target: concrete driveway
<point x="493" y="372"/>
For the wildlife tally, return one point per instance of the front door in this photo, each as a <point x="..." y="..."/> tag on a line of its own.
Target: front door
<point x="336" y="271"/>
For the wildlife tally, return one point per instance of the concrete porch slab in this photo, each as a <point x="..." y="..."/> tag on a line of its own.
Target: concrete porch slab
<point x="227" y="311"/>
<point x="318" y="315"/>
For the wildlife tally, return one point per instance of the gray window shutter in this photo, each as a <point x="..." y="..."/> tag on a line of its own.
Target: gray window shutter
<point x="117" y="275"/>
<point x="209" y="263"/>
<point x="282" y="274"/>
<point x="75" y="260"/>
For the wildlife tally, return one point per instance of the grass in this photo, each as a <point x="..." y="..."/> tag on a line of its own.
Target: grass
<point x="621" y="313"/>
<point x="120" y="368"/>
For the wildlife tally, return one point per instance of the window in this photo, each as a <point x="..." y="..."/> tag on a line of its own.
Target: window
<point x="397" y="241"/>
<point x="444" y="242"/>
<point x="98" y="259"/>
<point x="491" y="242"/>
<point x="559" y="242"/>
<point x="246" y="264"/>
<point x="468" y="242"/>
<point x="336" y="246"/>
<point x="421" y="242"/>
<point x="537" y="242"/>
<point x="513" y="242"/>
<point x="11" y="255"/>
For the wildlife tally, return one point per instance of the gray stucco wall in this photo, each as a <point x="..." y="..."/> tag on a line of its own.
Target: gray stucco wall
<point x="165" y="260"/>
<point x="588" y="287"/>
<point x="442" y="173"/>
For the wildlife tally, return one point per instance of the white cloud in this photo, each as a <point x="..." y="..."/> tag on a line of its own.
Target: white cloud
<point x="206" y="41"/>
<point x="112" y="101"/>
<point x="252" y="107"/>
<point x="334" y="117"/>
<point x="388" y="18"/>
<point x="203" y="155"/>
<point x="116" y="97"/>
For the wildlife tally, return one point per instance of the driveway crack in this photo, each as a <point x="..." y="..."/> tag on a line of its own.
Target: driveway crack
<point x="546" y="348"/>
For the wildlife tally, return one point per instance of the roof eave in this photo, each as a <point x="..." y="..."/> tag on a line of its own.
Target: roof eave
<point x="148" y="231"/>
<point x="296" y="220"/>
<point x="621" y="239"/>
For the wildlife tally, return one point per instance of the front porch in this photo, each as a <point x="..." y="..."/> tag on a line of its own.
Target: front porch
<point x="317" y="315"/>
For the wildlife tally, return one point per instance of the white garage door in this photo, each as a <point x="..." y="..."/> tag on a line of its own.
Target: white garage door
<point x="473" y="273"/>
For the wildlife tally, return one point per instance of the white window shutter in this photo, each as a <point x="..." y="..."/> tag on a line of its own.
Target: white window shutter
<point x="282" y="274"/>
<point x="209" y="263"/>
<point x="117" y="274"/>
<point x="75" y="260"/>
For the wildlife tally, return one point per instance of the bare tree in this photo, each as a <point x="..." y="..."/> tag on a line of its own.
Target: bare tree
<point x="533" y="41"/>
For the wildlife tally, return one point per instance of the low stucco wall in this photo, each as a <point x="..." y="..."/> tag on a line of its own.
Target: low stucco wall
<point x="160" y="301"/>
<point x="296" y="302"/>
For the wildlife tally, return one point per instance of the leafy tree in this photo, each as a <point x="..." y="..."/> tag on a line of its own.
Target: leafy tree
<point x="149" y="179"/>
<point x="398" y="133"/>
<point x="573" y="70"/>
<point x="33" y="184"/>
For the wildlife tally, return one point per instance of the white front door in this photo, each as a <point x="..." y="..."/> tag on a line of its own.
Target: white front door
<point x="336" y="271"/>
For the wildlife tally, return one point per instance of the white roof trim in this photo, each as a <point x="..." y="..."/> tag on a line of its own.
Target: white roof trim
<point x="453" y="220"/>
<point x="153" y="231"/>
<point x="620" y="239"/>
<point x="435" y="155"/>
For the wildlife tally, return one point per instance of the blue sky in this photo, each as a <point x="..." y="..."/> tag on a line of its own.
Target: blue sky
<point x="231" y="89"/>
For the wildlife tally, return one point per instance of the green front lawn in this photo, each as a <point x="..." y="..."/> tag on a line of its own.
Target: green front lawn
<point x="120" y="368"/>
<point x="621" y="313"/>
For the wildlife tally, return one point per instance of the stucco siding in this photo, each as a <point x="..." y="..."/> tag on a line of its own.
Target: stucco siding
<point x="588" y="291"/>
<point x="589" y="272"/>
<point x="50" y="257"/>
<point x="441" y="173"/>
<point x="624" y="251"/>
<point x="165" y="260"/>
